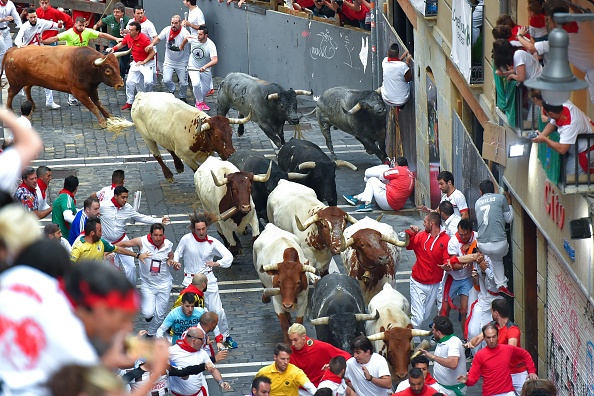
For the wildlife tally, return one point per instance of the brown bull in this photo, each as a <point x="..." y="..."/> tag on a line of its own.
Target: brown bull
<point x="75" y="70"/>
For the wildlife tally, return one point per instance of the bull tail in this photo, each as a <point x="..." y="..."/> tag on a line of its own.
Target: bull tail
<point x="308" y="114"/>
<point x="117" y="124"/>
<point x="3" y="84"/>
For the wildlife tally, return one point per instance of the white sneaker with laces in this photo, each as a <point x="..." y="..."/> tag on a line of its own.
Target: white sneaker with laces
<point x="52" y="106"/>
<point x="73" y="102"/>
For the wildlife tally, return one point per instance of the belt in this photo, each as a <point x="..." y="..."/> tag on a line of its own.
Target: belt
<point x="200" y="392"/>
<point x="4" y="28"/>
<point x="120" y="239"/>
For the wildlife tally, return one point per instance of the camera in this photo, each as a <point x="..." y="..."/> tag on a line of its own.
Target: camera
<point x="532" y="135"/>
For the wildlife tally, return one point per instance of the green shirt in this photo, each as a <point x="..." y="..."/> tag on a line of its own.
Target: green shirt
<point x="61" y="203"/>
<point x="72" y="38"/>
<point x="113" y="25"/>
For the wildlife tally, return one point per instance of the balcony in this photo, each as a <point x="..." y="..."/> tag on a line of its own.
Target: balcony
<point x="584" y="181"/>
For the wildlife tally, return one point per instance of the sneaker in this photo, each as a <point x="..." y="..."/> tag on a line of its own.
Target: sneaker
<point x="73" y="102"/>
<point x="205" y="107"/>
<point x="351" y="200"/>
<point x="211" y="92"/>
<point x="200" y="105"/>
<point x="506" y="292"/>
<point x="127" y="106"/>
<point x="364" y="208"/>
<point x="230" y="343"/>
<point x="52" y="106"/>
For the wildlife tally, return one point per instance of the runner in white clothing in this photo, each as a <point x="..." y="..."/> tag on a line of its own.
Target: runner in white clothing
<point x="195" y="17"/>
<point x="8" y="13"/>
<point x="198" y="252"/>
<point x="449" y="192"/>
<point x="106" y="193"/>
<point x="155" y="278"/>
<point x="203" y="55"/>
<point x="114" y="215"/>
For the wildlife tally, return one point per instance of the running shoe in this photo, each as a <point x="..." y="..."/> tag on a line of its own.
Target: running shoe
<point x="364" y="208"/>
<point x="351" y="200"/>
<point x="230" y="343"/>
<point x="127" y="106"/>
<point x="506" y="292"/>
<point x="205" y="107"/>
<point x="73" y="102"/>
<point x="52" y="106"/>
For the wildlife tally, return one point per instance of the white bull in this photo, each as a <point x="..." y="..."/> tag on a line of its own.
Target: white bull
<point x="295" y="208"/>
<point x="225" y="191"/>
<point x="281" y="266"/>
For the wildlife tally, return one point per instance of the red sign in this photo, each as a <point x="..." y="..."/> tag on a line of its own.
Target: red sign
<point x="554" y="209"/>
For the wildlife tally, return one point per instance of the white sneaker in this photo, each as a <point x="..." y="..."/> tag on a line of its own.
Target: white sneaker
<point x="73" y="102"/>
<point x="52" y="106"/>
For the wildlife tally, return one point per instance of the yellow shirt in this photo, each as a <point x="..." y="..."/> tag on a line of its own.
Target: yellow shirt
<point x="82" y="250"/>
<point x="287" y="383"/>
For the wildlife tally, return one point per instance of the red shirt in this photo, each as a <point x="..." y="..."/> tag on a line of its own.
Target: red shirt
<point x="511" y="330"/>
<point x="493" y="365"/>
<point x="353" y="15"/>
<point x="53" y="15"/>
<point x="401" y="182"/>
<point x="430" y="252"/>
<point x="426" y="391"/>
<point x="313" y="356"/>
<point x="138" y="45"/>
<point x="306" y="3"/>
<point x="89" y="16"/>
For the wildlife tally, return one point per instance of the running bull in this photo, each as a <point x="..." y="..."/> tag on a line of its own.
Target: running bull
<point x="307" y="158"/>
<point x="339" y="311"/>
<point x="187" y="133"/>
<point x="76" y="70"/>
<point x="358" y="113"/>
<point x="270" y="104"/>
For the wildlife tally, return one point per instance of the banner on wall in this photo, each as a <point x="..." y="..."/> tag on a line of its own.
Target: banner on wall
<point x="462" y="37"/>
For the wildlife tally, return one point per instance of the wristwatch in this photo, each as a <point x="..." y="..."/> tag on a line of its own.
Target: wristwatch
<point x="138" y="255"/>
<point x="370" y="378"/>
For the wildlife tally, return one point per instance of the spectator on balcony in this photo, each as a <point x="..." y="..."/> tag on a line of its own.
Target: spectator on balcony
<point x="513" y="63"/>
<point x="351" y="12"/>
<point x="477" y="21"/>
<point x="569" y="121"/>
<point x="537" y="26"/>
<point x="397" y="76"/>
<point x="505" y="19"/>
<point x="580" y="51"/>
<point x="323" y="8"/>
<point x="505" y="32"/>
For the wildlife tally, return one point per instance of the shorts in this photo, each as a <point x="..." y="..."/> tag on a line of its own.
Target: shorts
<point x="460" y="287"/>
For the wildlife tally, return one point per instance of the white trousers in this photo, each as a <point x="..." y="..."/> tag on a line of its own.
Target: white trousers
<point x="49" y="96"/>
<point x="140" y="78"/>
<point x="201" y="83"/>
<point x="479" y="315"/>
<point x="5" y="42"/>
<point x="518" y="380"/>
<point x="182" y="76"/>
<point x="376" y="171"/>
<point x="127" y="264"/>
<point x="375" y="189"/>
<point x="422" y="300"/>
<point x="155" y="304"/>
<point x="496" y="251"/>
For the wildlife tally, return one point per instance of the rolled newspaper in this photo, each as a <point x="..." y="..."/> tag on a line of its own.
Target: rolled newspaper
<point x="424" y="345"/>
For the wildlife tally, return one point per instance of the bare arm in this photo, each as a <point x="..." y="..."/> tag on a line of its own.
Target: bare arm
<point x="109" y="37"/>
<point x="27" y="142"/>
<point x="450" y="362"/>
<point x="50" y="40"/>
<point x="136" y="242"/>
<point x="42" y="213"/>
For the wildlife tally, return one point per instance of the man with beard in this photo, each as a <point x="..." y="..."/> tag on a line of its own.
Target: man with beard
<point x="181" y="318"/>
<point x="449" y="192"/>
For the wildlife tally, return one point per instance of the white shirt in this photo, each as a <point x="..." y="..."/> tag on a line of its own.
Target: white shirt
<point x="395" y="89"/>
<point x="487" y="284"/>
<point x="196" y="254"/>
<point x="147" y="28"/>
<point x="580" y="51"/>
<point x="451" y="347"/>
<point x="154" y="271"/>
<point x="377" y="367"/>
<point x="450" y="226"/>
<point x="113" y="220"/>
<point x="175" y="59"/>
<point x="180" y="359"/>
<point x="10" y="169"/>
<point x="196" y="17"/>
<point x="31" y="35"/>
<point x="458" y="201"/>
<point x="455" y="249"/>
<point x="533" y="68"/>
<point x="201" y="53"/>
<point x="105" y="194"/>
<point x="580" y="123"/>
<point x="43" y="205"/>
<point x="404" y="384"/>
<point x="23" y="121"/>
<point x="337" y="389"/>
<point x="64" y="242"/>
<point x="9" y="10"/>
<point x="44" y="316"/>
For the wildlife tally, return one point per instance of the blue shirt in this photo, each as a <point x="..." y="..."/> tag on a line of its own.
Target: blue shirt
<point x="179" y="322"/>
<point x="77" y="227"/>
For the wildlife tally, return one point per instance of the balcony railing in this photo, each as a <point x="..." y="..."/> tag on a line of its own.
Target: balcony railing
<point x="574" y="179"/>
<point x="513" y="100"/>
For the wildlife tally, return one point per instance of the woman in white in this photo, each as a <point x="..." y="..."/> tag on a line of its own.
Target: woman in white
<point x="203" y="55"/>
<point x="513" y="63"/>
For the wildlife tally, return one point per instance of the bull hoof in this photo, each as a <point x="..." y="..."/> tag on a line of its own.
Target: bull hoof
<point x="169" y="179"/>
<point x="103" y="124"/>
<point x="235" y="250"/>
<point x="266" y="299"/>
<point x="180" y="170"/>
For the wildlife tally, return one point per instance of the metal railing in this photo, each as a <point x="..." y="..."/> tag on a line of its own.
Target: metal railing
<point x="526" y="111"/>
<point x="574" y="178"/>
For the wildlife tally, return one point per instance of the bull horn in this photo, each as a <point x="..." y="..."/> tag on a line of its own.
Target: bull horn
<point x="351" y="219"/>
<point x="240" y="120"/>
<point x="216" y="181"/>
<point x="204" y="127"/>
<point x="307" y="223"/>
<point x="353" y="110"/>
<point x="228" y="213"/>
<point x="419" y="333"/>
<point x="263" y="178"/>
<point x="303" y="92"/>
<point x="379" y="217"/>
<point x="270" y="267"/>
<point x="120" y="54"/>
<point x="296" y="176"/>
<point x="272" y="291"/>
<point x="347" y="244"/>
<point x="378" y="91"/>
<point x="345" y="164"/>
<point x="308" y="268"/>
<point x="394" y="241"/>
<point x="272" y="96"/>
<point x="320" y="321"/>
<point x="377" y="337"/>
<point x="307" y="165"/>
<point x="372" y="316"/>
<point x="99" y="61"/>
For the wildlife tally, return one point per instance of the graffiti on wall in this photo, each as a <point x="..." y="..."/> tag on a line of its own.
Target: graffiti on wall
<point x="325" y="45"/>
<point x="570" y="333"/>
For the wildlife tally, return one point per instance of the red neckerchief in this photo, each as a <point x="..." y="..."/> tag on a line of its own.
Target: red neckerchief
<point x="27" y="187"/>
<point x="115" y="203"/>
<point x="330" y="376"/>
<point x="192" y="289"/>
<point x="64" y="191"/>
<point x="42" y="187"/>
<point x="565" y="118"/>
<point x="80" y="37"/>
<point x="144" y="19"/>
<point x="152" y="243"/>
<point x="113" y="186"/>
<point x="173" y="34"/>
<point x="571" y="27"/>
<point x="429" y="380"/>
<point x="185" y="346"/>
<point x="393" y="59"/>
<point x="2" y="3"/>
<point x="201" y="240"/>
